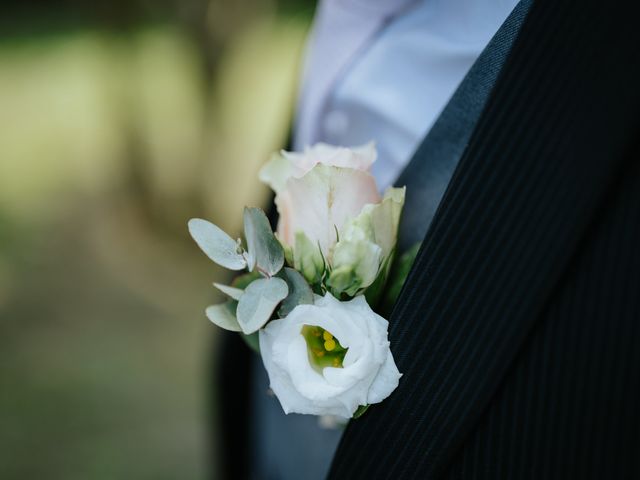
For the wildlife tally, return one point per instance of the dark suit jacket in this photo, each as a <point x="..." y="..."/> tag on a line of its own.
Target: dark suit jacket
<point x="518" y="330"/>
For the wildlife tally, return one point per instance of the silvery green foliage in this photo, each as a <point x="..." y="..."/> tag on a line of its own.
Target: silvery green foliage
<point x="231" y="292"/>
<point x="218" y="246"/>
<point x="265" y="250"/>
<point x="299" y="292"/>
<point x="248" y="309"/>
<point x="223" y="316"/>
<point x="259" y="300"/>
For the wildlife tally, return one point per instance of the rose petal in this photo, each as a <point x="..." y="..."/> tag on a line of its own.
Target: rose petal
<point x="320" y="203"/>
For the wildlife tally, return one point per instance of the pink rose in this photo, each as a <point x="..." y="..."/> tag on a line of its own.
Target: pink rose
<point x="358" y="158"/>
<point x="319" y="190"/>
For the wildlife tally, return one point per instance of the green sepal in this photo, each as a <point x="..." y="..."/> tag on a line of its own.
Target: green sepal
<point x="308" y="259"/>
<point x="288" y="254"/>
<point x="360" y="411"/>
<point x="343" y="280"/>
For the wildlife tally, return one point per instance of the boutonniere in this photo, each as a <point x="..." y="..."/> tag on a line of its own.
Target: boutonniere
<point x="306" y="300"/>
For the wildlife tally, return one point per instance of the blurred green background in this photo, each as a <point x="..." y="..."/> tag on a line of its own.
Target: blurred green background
<point x="119" y="120"/>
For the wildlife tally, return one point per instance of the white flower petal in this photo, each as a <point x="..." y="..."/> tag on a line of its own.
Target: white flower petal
<point x="276" y="172"/>
<point x="385" y="382"/>
<point x="368" y="373"/>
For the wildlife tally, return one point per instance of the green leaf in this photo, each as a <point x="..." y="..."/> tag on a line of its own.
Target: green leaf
<point x="398" y="276"/>
<point x="258" y="302"/>
<point x="299" y="292"/>
<point x="218" y="246"/>
<point x="264" y="248"/>
<point x="223" y="315"/>
<point x="253" y="341"/>
<point x="243" y="280"/>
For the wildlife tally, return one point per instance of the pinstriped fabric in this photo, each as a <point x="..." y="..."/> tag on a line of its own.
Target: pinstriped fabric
<point x="571" y="398"/>
<point x="546" y="151"/>
<point x="427" y="176"/>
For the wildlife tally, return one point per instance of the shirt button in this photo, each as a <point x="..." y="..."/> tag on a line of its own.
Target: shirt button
<point x="336" y="123"/>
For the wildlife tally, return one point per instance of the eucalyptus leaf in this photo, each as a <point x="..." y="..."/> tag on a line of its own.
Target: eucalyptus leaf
<point x="223" y="316"/>
<point x="299" y="292"/>
<point x="258" y="302"/>
<point x="243" y="280"/>
<point x="264" y="248"/>
<point x="218" y="246"/>
<point x="232" y="292"/>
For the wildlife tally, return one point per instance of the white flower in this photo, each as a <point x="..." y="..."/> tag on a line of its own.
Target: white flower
<point x="286" y="165"/>
<point x="360" y="370"/>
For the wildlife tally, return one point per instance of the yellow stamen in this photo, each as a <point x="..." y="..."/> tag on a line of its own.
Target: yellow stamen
<point x="329" y="345"/>
<point x="327" y="336"/>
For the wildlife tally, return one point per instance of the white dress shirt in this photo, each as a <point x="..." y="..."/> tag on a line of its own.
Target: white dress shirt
<point x="383" y="70"/>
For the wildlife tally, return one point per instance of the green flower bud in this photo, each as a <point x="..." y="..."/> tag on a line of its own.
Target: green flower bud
<point x="307" y="259"/>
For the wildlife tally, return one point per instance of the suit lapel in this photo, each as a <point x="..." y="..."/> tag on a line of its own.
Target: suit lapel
<point x="544" y="152"/>
<point x="431" y="168"/>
